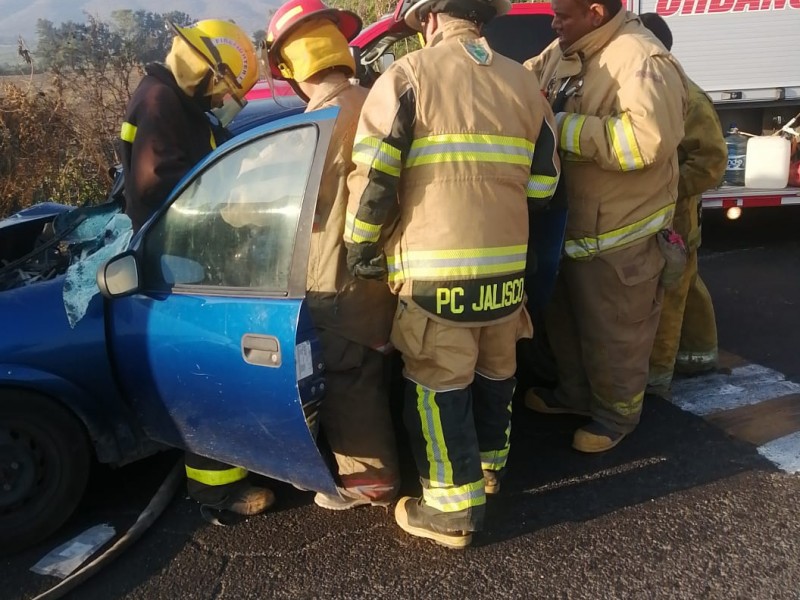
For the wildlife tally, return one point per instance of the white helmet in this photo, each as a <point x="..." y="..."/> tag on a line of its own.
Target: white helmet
<point x="479" y="11"/>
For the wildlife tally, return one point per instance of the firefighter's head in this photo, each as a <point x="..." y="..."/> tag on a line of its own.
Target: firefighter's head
<point x="424" y="15"/>
<point x="658" y="27"/>
<point x="215" y="62"/>
<point x="306" y="38"/>
<point x="573" y="19"/>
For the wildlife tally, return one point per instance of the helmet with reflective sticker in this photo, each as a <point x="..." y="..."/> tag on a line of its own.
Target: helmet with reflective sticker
<point x="289" y="17"/>
<point x="227" y="50"/>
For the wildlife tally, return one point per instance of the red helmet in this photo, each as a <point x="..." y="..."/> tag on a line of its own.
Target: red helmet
<point x="295" y="12"/>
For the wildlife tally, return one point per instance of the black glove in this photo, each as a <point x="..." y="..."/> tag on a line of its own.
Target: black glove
<point x="365" y="262"/>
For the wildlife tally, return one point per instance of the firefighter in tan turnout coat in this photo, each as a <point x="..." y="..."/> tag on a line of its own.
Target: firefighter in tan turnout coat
<point x="453" y="145"/>
<point x="623" y="99"/>
<point x="307" y="46"/>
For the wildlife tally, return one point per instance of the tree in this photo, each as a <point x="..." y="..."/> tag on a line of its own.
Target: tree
<point x="259" y="36"/>
<point x="369" y="11"/>
<point x="68" y="130"/>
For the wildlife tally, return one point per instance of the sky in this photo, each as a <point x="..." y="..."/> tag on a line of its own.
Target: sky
<point x="19" y="16"/>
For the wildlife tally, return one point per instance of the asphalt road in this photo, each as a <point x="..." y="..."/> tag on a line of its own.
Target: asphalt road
<point x="681" y="509"/>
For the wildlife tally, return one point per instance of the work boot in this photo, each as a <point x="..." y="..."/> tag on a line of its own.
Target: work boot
<point x="246" y="500"/>
<point x="412" y="517"/>
<point x="596" y="437"/>
<point x="491" y="482"/>
<point x="543" y="400"/>
<point x="343" y="501"/>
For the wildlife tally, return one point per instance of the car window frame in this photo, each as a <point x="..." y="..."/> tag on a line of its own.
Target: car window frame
<point x="298" y="270"/>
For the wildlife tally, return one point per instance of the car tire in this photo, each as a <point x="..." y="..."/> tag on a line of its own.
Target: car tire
<point x="45" y="460"/>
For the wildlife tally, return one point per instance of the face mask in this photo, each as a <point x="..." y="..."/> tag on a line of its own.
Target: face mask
<point x="229" y="109"/>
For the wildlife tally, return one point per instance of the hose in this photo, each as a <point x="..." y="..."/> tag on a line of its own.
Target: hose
<point x="148" y="516"/>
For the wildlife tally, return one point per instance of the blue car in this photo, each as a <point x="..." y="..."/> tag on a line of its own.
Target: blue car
<point x="194" y="336"/>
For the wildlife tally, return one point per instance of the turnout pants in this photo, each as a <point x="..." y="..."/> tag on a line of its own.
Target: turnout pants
<point x="687" y="333"/>
<point x="668" y="335"/>
<point x="698" y="347"/>
<point x="601" y="323"/>
<point x="356" y="419"/>
<point x="210" y="481"/>
<point x="457" y="407"/>
<point x="686" y="340"/>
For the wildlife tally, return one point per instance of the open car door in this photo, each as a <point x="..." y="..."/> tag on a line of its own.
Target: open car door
<point x="215" y="349"/>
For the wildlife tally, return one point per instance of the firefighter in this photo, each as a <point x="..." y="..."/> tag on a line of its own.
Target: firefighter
<point x="687" y="329"/>
<point x="623" y="100"/>
<point x="211" y="66"/>
<point x="167" y="129"/>
<point x="307" y="45"/>
<point x="454" y="143"/>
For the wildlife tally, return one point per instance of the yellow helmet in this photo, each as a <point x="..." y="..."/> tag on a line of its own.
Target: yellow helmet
<point x="227" y="50"/>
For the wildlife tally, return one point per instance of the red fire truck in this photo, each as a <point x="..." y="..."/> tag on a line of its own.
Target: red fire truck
<point x="745" y="54"/>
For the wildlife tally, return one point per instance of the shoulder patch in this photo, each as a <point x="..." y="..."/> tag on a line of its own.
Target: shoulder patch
<point x="478" y="50"/>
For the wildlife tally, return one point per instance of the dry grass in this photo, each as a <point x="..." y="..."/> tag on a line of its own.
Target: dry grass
<point x="57" y="139"/>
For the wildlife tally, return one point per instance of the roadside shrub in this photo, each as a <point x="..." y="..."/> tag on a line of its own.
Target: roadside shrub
<point x="58" y="129"/>
<point x="47" y="150"/>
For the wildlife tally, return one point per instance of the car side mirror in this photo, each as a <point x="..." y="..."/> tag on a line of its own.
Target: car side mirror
<point x="119" y="276"/>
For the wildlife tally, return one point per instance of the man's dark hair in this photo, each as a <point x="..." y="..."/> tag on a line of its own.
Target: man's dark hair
<point x="477" y="11"/>
<point x="658" y="27"/>
<point x="613" y="6"/>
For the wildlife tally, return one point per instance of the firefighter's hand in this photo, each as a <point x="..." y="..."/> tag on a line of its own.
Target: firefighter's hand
<point x="365" y="261"/>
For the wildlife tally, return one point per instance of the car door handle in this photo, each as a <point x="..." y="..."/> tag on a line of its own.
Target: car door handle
<point x="261" y="350"/>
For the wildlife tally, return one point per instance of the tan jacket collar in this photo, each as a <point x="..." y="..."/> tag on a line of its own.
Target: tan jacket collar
<point x="325" y="91"/>
<point x="457" y="29"/>
<point x="589" y="44"/>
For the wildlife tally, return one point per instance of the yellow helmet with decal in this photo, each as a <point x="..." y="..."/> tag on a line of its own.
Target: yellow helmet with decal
<point x="228" y="52"/>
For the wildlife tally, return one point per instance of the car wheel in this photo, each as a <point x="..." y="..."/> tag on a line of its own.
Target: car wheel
<point x="44" y="466"/>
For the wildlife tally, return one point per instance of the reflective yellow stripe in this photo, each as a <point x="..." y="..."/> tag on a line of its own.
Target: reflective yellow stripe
<point x="457" y="263"/>
<point x="588" y="246"/>
<point x="378" y="155"/>
<point x="620" y="131"/>
<point x="629" y="407"/>
<point x="455" y="498"/>
<point x="213" y="141"/>
<point x="541" y="186"/>
<point x="654" y="380"/>
<point x="494" y="460"/>
<point x="216" y="477"/>
<point x="394" y="265"/>
<point x="470" y="147"/>
<point x="358" y="231"/>
<point x="128" y="132"/>
<point x="440" y="468"/>
<point x="570" y="126"/>
<point x="473" y="138"/>
<point x="697" y="358"/>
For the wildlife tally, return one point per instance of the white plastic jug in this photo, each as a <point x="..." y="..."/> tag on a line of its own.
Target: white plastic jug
<point x="767" y="164"/>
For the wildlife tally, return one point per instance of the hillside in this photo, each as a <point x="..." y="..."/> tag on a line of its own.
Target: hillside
<point x="20" y="16"/>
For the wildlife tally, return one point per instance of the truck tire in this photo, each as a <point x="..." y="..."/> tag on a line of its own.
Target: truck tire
<point x="44" y="467"/>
